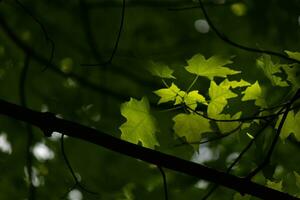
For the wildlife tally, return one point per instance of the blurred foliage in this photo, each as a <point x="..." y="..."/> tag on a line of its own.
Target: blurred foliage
<point x="151" y="33"/>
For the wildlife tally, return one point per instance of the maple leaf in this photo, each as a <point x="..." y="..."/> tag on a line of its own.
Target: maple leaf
<point x="192" y="98"/>
<point x="191" y="126"/>
<point x="270" y="70"/>
<point x="173" y="93"/>
<point x="291" y="125"/>
<point x="169" y="94"/>
<point x="234" y="84"/>
<point x="210" y="68"/>
<point x="140" y="125"/>
<point x="254" y="92"/>
<point x="292" y="72"/>
<point x="294" y="55"/>
<point x="160" y="70"/>
<point x="218" y="95"/>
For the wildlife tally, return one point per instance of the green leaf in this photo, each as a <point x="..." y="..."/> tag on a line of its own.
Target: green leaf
<point x="192" y="98"/>
<point x="291" y="125"/>
<point x="160" y="70"/>
<point x="140" y="125"/>
<point x="191" y="126"/>
<point x="210" y="68"/>
<point x="226" y="127"/>
<point x="169" y="94"/>
<point x="270" y="70"/>
<point x="274" y="185"/>
<point x="218" y="98"/>
<point x="294" y="55"/>
<point x="297" y="176"/>
<point x="254" y="92"/>
<point x="234" y="84"/>
<point x="292" y="72"/>
<point x="173" y="93"/>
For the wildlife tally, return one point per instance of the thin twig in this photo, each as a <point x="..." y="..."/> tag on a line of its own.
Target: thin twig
<point x="109" y="61"/>
<point x="215" y="186"/>
<point x="223" y="37"/>
<point x="223" y="135"/>
<point x="254" y="117"/>
<point x="50" y="121"/>
<point x="77" y="182"/>
<point x="276" y="137"/>
<point x="164" y="177"/>
<point x="43" y="28"/>
<point x="22" y="87"/>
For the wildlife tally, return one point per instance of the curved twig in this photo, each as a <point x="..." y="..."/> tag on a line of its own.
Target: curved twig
<point x="215" y="186"/>
<point x="109" y="61"/>
<point x="77" y="182"/>
<point x="164" y="177"/>
<point x="223" y="37"/>
<point x="43" y="28"/>
<point x="276" y="137"/>
<point x="22" y="94"/>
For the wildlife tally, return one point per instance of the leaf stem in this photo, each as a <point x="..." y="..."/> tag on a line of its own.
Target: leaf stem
<point x="192" y="84"/>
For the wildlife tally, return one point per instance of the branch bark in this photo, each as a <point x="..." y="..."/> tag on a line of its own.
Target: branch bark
<point x="49" y="123"/>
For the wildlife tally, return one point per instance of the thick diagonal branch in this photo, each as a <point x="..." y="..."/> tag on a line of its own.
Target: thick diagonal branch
<point x="49" y="123"/>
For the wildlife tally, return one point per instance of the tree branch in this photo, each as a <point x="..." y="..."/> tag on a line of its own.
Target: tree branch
<point x="49" y="123"/>
<point x="224" y="37"/>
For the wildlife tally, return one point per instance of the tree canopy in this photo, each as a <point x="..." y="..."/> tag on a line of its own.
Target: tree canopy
<point x="149" y="99"/>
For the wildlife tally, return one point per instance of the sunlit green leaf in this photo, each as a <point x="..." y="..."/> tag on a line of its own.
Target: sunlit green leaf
<point x="291" y="125"/>
<point x="227" y="127"/>
<point x="275" y="185"/>
<point x="160" y="70"/>
<point x="234" y="84"/>
<point x="169" y="94"/>
<point x="294" y="55"/>
<point x="191" y="126"/>
<point x="254" y="92"/>
<point x="218" y="98"/>
<point x="173" y="93"/>
<point x="210" y="68"/>
<point x="140" y="125"/>
<point x="192" y="98"/>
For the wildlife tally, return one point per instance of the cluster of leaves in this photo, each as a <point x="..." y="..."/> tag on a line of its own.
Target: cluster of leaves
<point x="206" y="113"/>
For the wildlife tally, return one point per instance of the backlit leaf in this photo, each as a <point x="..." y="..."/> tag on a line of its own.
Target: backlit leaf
<point x="160" y="70"/>
<point x="291" y="125"/>
<point x="191" y="126"/>
<point x="140" y="125"/>
<point x="192" y="98"/>
<point x="275" y="185"/>
<point x="294" y="55"/>
<point x="254" y="92"/>
<point x="234" y="84"/>
<point x="169" y="94"/>
<point x="218" y="95"/>
<point x="210" y="68"/>
<point x="173" y="93"/>
<point x="226" y="127"/>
